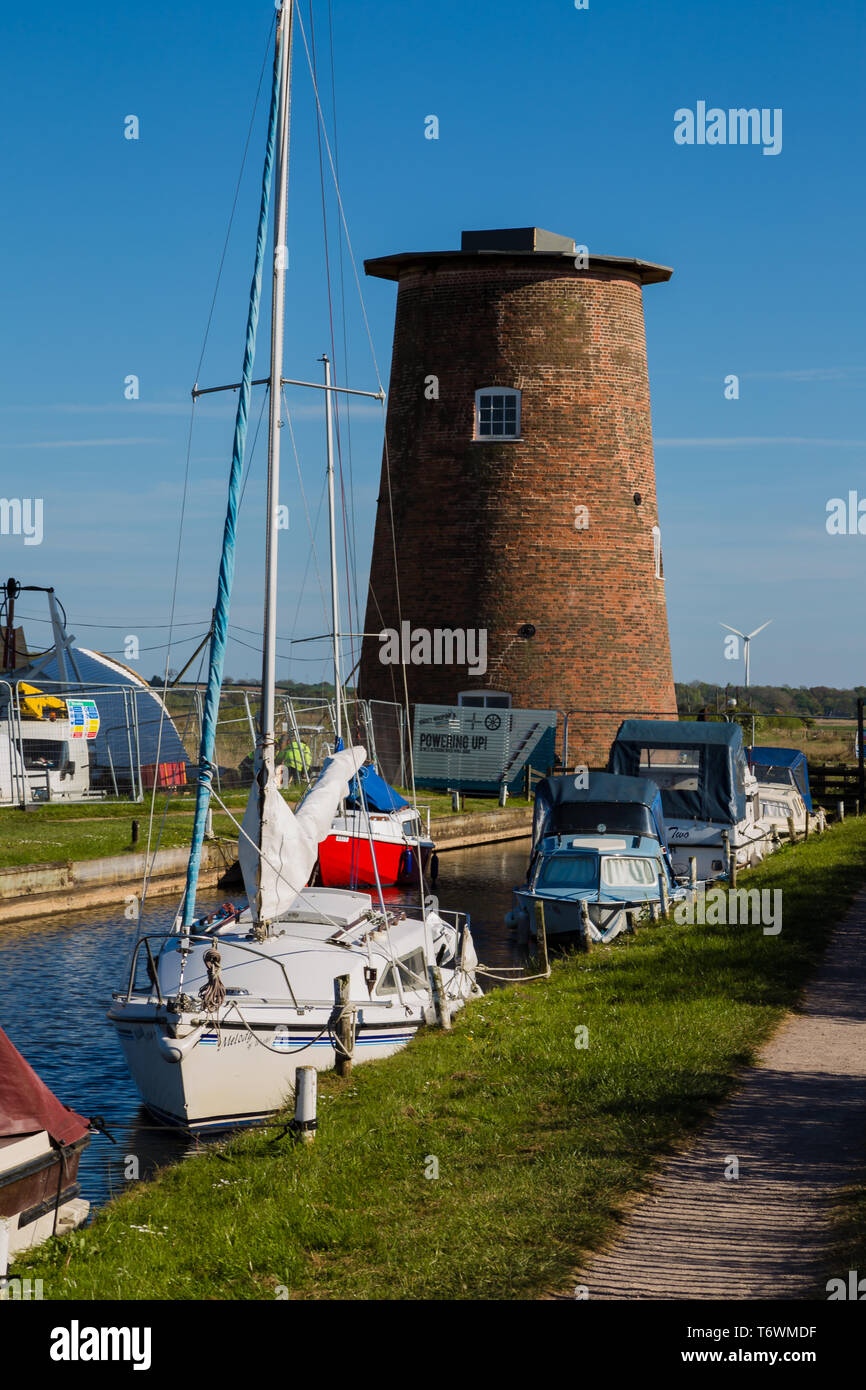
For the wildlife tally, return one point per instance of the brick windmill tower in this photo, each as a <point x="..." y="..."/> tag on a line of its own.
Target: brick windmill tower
<point x="518" y="486"/>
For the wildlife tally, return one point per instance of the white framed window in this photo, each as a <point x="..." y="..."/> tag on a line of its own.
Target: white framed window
<point x="657" y="553"/>
<point x="483" y="699"/>
<point x="497" y="413"/>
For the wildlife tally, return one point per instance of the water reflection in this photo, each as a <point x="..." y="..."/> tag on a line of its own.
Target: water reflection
<point x="57" y="975"/>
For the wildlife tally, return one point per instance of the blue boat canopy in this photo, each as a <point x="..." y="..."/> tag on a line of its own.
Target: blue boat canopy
<point x="700" y="768"/>
<point x="791" y="759"/>
<point x="378" y="795"/>
<point x="623" y="805"/>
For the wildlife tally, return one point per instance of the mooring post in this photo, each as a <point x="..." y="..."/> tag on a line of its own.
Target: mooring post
<point x="693" y="875"/>
<point x="503" y="794"/>
<point x="585" y="935"/>
<point x="861" y="766"/>
<point x="726" y="846"/>
<point x="455" y="802"/>
<point x="541" y="938"/>
<point x="840" y="810"/>
<point x="440" y="1003"/>
<point x="822" y="820"/>
<point x="792" y="830"/>
<point x="664" y="901"/>
<point x="344" y="1031"/>
<point x="305" y="1103"/>
<point x="135" y="832"/>
<point x="806" y="831"/>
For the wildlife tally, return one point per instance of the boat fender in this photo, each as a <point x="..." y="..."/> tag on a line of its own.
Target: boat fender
<point x="175" y="1049"/>
<point x="512" y="919"/>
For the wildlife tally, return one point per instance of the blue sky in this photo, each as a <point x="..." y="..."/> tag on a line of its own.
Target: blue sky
<point x="548" y="116"/>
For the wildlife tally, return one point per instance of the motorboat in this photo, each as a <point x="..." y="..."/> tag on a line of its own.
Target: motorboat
<point x="782" y="775"/>
<point x="41" y="1141"/>
<point x="709" y="796"/>
<point x="599" y="861"/>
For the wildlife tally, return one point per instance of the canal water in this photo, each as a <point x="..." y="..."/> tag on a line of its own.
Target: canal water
<point x="57" y="975"/>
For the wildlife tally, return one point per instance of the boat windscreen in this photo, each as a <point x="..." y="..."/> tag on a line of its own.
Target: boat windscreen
<point x="770" y="773"/>
<point x="602" y="817"/>
<point x="568" y="871"/>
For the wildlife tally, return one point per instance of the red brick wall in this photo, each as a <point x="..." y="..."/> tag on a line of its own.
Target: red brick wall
<point x="485" y="532"/>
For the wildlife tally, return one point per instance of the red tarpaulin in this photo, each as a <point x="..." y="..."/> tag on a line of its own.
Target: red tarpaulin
<point x="26" y="1104"/>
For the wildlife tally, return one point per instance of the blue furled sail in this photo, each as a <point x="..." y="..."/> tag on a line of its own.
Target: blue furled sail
<point x="227" y="561"/>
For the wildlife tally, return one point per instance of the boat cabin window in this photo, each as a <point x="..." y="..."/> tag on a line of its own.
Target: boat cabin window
<point x="413" y="974"/>
<point x="624" y="871"/>
<point x="779" y="775"/>
<point x="672" y="769"/>
<point x="41" y="753"/>
<point x="600" y="818"/>
<point x="567" y="871"/>
<point x="778" y="809"/>
<point x="497" y="413"/>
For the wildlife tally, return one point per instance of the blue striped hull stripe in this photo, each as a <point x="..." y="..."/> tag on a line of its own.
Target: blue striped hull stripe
<point x="284" y="1044"/>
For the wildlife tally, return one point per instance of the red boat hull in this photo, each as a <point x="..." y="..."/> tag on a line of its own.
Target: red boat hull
<point x="346" y="861"/>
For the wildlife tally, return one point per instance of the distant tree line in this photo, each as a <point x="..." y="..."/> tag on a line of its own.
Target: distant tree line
<point x="810" y="702"/>
<point x="322" y="691"/>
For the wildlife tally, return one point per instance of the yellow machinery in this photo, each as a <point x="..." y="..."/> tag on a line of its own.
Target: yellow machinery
<point x="36" y="705"/>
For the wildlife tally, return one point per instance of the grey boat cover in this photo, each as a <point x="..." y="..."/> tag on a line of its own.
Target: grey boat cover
<point x="626" y="805"/>
<point x="712" y="753"/>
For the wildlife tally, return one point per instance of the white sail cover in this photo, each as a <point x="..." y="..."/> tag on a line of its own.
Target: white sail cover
<point x="290" y="841"/>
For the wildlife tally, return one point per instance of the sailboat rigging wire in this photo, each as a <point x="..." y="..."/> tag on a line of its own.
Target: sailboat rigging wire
<point x="148" y="871"/>
<point x="319" y="132"/>
<point x="235" y="199"/>
<point x="163" y="710"/>
<point x="276" y="868"/>
<point x="221" y="609"/>
<point x="313" y="552"/>
<point x="340" y="203"/>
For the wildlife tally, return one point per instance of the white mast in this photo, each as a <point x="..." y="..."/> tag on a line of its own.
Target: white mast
<point x="335" y="593"/>
<point x="267" y="717"/>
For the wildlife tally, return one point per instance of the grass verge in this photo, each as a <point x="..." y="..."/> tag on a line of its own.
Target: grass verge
<point x="539" y="1144"/>
<point x="73" y="831"/>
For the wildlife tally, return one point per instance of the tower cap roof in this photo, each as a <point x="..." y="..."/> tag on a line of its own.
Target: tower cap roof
<point x="514" y="243"/>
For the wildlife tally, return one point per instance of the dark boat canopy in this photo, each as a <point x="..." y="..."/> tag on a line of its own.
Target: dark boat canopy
<point x="26" y="1104"/>
<point x="623" y="805"/>
<point x="791" y="759"/>
<point x="700" y="768"/>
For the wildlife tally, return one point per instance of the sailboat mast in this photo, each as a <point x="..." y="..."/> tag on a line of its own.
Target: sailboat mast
<point x="267" y="717"/>
<point x="335" y="592"/>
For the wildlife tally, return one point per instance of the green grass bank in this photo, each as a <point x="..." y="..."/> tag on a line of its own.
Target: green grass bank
<point x="74" y="831"/>
<point x="538" y="1143"/>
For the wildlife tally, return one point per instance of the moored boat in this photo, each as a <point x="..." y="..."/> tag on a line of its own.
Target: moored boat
<point x="599" y="859"/>
<point x="782" y="775"/>
<point x="41" y="1141"/>
<point x="709" y="796"/>
<point x="376" y="839"/>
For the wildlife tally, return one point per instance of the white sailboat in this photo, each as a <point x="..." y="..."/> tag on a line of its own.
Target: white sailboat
<point x="233" y="1004"/>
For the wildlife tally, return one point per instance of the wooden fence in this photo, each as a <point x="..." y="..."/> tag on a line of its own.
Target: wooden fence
<point x="832" y="782"/>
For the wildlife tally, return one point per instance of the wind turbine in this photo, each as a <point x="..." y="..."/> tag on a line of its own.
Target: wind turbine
<point x="747" y="637"/>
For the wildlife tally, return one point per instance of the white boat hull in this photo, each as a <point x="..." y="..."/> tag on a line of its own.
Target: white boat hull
<point x="231" y="1076"/>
